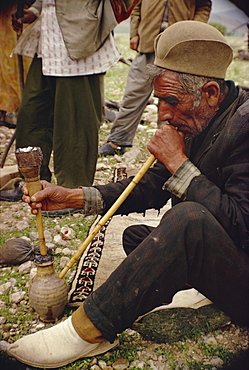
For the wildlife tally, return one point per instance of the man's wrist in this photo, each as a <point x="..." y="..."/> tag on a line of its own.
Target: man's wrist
<point x="176" y="163"/>
<point x="93" y="201"/>
<point x="178" y="183"/>
<point x="75" y="198"/>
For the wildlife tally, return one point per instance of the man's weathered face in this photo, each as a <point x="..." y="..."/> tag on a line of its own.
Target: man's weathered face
<point x="176" y="107"/>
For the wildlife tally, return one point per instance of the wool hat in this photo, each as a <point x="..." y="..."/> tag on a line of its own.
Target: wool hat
<point x="193" y="47"/>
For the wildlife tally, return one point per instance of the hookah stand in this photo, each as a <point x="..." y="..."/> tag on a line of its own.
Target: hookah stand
<point x="47" y="292"/>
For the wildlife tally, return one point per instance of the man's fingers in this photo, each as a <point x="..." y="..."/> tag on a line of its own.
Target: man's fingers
<point x="25" y="190"/>
<point x="26" y="198"/>
<point x="39" y="196"/>
<point x="35" y="205"/>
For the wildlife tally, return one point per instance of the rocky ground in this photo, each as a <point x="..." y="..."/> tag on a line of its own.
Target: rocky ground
<point x="208" y="347"/>
<point x="196" y="349"/>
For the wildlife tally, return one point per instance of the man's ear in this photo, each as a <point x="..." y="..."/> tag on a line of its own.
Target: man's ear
<point x="211" y="92"/>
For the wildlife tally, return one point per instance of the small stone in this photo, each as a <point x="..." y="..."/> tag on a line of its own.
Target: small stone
<point x="12" y="310"/>
<point x="67" y="233"/>
<point x="17" y="297"/>
<point x="32" y="273"/>
<point x="220" y="337"/>
<point x="210" y="340"/>
<point x="5" y="268"/>
<point x="120" y="364"/>
<point x="132" y="155"/>
<point x="102" y="364"/>
<point x="94" y="361"/>
<point x="217" y="362"/>
<point x="23" y="303"/>
<point x="40" y="325"/>
<point x="5" y="287"/>
<point x="26" y="267"/>
<point x="64" y="260"/>
<point x="2" y="320"/>
<point x="101" y="166"/>
<point x="141" y="128"/>
<point x="104" y="126"/>
<point x="66" y="251"/>
<point x="131" y="332"/>
<point x="59" y="241"/>
<point x="22" y="225"/>
<point x="151" y="364"/>
<point x="33" y="330"/>
<point x="154" y="125"/>
<point x="13" y="281"/>
<point x="33" y="235"/>
<point x="50" y="246"/>
<point x="117" y="158"/>
<point x="138" y="364"/>
<point x="48" y="236"/>
<point x="58" y="250"/>
<point x="77" y="215"/>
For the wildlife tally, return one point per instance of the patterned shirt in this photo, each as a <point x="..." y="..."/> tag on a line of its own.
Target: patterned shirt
<point x="50" y="46"/>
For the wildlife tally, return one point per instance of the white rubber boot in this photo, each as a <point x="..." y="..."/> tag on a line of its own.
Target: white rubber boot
<point x="55" y="347"/>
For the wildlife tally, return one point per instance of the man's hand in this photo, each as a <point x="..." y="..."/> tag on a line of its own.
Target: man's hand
<point x="53" y="197"/>
<point x="168" y="146"/>
<point x="134" y="41"/>
<point x="17" y="23"/>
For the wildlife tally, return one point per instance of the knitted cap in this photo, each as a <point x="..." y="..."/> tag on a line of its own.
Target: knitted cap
<point x="193" y="47"/>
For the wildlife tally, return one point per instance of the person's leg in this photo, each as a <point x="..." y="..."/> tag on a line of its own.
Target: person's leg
<point x="102" y="94"/>
<point x="189" y="246"/>
<point x="77" y="116"/>
<point x="59" y="345"/>
<point x="137" y="92"/>
<point x="134" y="235"/>
<point x="35" y="116"/>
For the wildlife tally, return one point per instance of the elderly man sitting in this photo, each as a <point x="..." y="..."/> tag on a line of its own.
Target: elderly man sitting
<point x="202" y="240"/>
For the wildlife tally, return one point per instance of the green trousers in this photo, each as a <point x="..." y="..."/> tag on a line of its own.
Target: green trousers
<point x="61" y="115"/>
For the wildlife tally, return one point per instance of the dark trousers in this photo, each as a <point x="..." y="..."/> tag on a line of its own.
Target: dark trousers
<point x="62" y="114"/>
<point x="189" y="246"/>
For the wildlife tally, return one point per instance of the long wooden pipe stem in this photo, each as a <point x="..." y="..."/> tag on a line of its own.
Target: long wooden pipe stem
<point x="109" y="214"/>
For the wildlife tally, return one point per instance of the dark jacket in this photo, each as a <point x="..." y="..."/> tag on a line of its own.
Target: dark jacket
<point x="221" y="153"/>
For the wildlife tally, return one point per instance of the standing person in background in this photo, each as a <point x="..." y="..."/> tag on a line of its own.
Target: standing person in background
<point x="13" y="72"/>
<point x="72" y="46"/>
<point x="10" y="93"/>
<point x="148" y="19"/>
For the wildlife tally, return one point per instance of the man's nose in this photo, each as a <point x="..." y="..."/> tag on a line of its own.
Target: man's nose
<point x="164" y="111"/>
